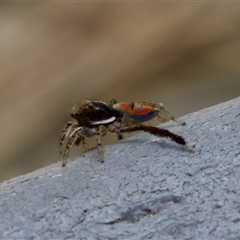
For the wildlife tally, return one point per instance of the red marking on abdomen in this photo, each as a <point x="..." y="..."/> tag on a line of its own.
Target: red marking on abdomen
<point x="141" y="111"/>
<point x="125" y="107"/>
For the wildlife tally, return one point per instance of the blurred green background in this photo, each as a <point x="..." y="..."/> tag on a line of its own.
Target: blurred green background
<point x="53" y="54"/>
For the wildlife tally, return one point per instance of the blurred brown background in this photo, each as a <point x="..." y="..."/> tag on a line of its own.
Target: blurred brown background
<point x="185" y="55"/>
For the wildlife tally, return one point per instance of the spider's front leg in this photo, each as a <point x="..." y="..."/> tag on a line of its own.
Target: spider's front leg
<point x="73" y="134"/>
<point x="68" y="129"/>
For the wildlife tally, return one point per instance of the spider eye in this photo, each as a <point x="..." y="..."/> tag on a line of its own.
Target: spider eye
<point x="90" y="106"/>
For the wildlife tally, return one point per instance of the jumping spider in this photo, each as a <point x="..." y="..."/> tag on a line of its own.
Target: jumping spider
<point x="95" y="118"/>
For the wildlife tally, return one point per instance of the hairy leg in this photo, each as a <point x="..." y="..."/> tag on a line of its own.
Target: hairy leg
<point x="155" y="131"/>
<point x="74" y="137"/>
<point x="66" y="131"/>
<point x="167" y="115"/>
<point x="100" y="132"/>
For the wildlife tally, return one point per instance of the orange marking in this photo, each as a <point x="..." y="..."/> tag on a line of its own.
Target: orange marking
<point x="135" y="111"/>
<point x="125" y="107"/>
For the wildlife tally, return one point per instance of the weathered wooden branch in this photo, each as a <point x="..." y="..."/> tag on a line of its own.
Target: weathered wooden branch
<point x="148" y="188"/>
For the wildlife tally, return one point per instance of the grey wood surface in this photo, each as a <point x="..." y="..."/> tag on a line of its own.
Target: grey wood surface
<point x="148" y="187"/>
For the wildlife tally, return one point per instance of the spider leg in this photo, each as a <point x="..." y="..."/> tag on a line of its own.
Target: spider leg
<point x="99" y="146"/>
<point x="167" y="114"/>
<point x="73" y="134"/>
<point x="63" y="134"/>
<point x="115" y="128"/>
<point x="157" y="132"/>
<point x="66" y="131"/>
<point x="100" y="132"/>
<point x="73" y="137"/>
<point x="85" y="146"/>
<point x="119" y="136"/>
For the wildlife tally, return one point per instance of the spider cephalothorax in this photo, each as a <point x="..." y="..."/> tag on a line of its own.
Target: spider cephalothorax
<point x="93" y="113"/>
